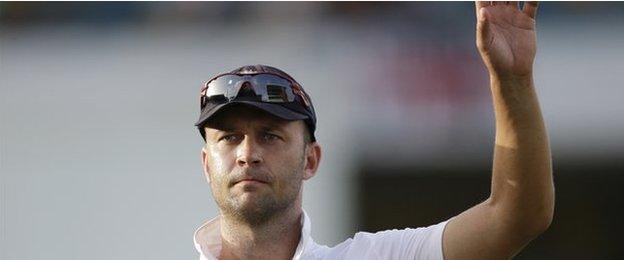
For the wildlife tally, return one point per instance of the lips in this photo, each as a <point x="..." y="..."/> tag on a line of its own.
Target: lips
<point x="256" y="177"/>
<point x="250" y="180"/>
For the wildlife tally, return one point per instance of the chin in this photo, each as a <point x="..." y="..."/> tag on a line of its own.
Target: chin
<point x="254" y="210"/>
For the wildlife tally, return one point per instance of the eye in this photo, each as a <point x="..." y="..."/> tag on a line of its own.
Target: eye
<point x="229" y="138"/>
<point x="270" y="137"/>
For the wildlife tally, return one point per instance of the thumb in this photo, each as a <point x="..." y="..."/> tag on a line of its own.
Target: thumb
<point x="483" y="29"/>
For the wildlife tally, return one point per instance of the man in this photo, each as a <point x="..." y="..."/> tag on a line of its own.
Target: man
<point x="258" y="124"/>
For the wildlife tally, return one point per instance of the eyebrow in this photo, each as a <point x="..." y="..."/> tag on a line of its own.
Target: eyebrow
<point x="274" y="126"/>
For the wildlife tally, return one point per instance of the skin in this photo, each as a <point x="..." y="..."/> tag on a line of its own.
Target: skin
<point x="521" y="203"/>
<point x="259" y="219"/>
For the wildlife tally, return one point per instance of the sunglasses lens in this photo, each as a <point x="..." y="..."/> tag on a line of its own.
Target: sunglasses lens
<point x="272" y="88"/>
<point x="227" y="86"/>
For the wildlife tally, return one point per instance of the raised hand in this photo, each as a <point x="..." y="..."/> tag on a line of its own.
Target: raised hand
<point x="506" y="37"/>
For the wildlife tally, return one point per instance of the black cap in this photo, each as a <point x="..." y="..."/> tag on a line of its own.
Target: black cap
<point x="299" y="109"/>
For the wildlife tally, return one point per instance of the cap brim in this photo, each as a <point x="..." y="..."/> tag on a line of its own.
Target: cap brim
<point x="271" y="108"/>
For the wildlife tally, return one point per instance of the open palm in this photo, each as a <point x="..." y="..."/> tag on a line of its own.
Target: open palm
<point x="506" y="37"/>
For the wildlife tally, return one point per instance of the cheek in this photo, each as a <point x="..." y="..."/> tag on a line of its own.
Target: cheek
<point x="218" y="165"/>
<point x="287" y="166"/>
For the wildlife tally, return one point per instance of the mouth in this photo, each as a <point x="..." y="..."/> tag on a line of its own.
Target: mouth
<point x="250" y="181"/>
<point x="250" y="177"/>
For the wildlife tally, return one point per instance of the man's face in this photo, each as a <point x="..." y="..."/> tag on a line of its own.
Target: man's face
<point x="256" y="163"/>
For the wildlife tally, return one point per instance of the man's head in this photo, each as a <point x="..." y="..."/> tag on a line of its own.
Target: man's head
<point x="261" y="86"/>
<point x="255" y="159"/>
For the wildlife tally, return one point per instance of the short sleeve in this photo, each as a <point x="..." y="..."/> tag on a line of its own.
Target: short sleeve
<point x="420" y="243"/>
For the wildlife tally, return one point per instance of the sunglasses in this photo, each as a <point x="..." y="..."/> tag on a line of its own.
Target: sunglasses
<point x="268" y="87"/>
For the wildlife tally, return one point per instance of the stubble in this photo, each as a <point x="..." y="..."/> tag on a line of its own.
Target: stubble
<point x="263" y="206"/>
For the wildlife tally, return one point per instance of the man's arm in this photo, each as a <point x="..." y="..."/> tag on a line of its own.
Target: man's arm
<point x="521" y="202"/>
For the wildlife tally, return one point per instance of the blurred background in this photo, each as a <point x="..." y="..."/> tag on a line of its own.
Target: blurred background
<point x="100" y="159"/>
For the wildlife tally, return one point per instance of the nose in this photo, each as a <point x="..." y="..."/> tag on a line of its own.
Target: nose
<point x="249" y="153"/>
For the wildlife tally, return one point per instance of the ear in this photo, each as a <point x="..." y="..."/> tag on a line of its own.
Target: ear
<point x="312" y="160"/>
<point x="204" y="159"/>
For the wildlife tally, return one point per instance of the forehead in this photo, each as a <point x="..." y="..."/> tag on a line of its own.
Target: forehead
<point x="244" y="116"/>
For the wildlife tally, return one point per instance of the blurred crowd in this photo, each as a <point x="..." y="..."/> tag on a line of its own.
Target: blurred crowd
<point x="228" y="13"/>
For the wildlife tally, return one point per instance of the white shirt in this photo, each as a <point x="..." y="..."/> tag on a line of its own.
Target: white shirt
<point x="419" y="243"/>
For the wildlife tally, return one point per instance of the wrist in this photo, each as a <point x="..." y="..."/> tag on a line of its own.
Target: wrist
<point x="511" y="79"/>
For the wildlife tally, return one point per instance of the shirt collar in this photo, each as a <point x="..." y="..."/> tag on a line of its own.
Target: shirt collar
<point x="207" y="239"/>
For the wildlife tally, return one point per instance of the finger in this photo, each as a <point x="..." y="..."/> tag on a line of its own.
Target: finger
<point x="479" y="4"/>
<point x="482" y="23"/>
<point x="483" y="31"/>
<point x="530" y="8"/>
<point x="514" y="4"/>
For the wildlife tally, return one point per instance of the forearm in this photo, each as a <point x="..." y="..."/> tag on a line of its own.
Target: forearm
<point x="521" y="203"/>
<point x="522" y="186"/>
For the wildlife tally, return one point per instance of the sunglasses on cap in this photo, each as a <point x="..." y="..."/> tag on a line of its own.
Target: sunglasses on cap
<point x="268" y="87"/>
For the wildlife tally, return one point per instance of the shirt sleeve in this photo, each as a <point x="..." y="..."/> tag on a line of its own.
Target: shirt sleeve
<point x="420" y="243"/>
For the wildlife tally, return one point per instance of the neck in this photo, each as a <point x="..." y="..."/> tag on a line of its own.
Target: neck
<point x="276" y="239"/>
